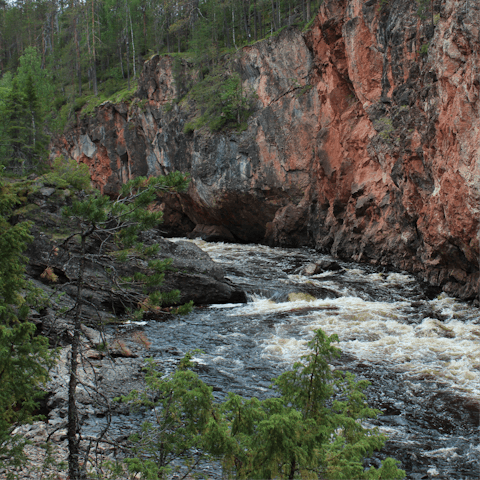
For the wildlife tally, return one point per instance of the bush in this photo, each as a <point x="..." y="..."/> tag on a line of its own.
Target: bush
<point x="68" y="172"/>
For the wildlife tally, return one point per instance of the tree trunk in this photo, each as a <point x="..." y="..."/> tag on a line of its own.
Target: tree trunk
<point x="309" y="9"/>
<point x="121" y="59"/>
<point x="246" y="18"/>
<point x="73" y="423"/>
<point x="128" y="60"/>
<point x="255" y="20"/>
<point x="94" y="58"/>
<point x="233" y="27"/>
<point x="77" y="50"/>
<point x="225" y="28"/>
<point x="167" y="20"/>
<point x="144" y="10"/>
<point x="273" y="26"/>
<point x="133" y="45"/>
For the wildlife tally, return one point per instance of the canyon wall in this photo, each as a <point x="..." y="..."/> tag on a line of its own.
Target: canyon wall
<point x="365" y="142"/>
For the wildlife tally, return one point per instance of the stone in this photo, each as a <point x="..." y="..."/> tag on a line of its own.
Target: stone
<point x="321" y="266"/>
<point x="47" y="191"/>
<point x="212" y="233"/>
<point x="300" y="297"/>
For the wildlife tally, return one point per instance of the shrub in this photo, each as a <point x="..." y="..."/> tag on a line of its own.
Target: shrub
<point x="68" y="172"/>
<point x="221" y="102"/>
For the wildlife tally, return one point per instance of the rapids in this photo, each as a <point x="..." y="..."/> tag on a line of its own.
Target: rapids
<point x="419" y="349"/>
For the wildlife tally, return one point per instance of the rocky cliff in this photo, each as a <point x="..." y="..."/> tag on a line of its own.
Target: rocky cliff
<point x="365" y="142"/>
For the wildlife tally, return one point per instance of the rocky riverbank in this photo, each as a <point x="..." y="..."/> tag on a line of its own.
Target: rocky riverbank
<point x="110" y="365"/>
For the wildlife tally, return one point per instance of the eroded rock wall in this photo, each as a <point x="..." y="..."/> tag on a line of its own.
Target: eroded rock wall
<point x="365" y="142"/>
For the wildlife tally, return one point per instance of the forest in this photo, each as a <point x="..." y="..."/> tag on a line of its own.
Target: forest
<point x="57" y="57"/>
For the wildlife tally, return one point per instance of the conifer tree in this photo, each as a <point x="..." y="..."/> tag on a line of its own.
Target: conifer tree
<point x="311" y="430"/>
<point x="24" y="136"/>
<point x="110" y="229"/>
<point x="16" y="117"/>
<point x="24" y="357"/>
<point x="36" y="140"/>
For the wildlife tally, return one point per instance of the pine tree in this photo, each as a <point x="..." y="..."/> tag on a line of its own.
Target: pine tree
<point x="110" y="229"/>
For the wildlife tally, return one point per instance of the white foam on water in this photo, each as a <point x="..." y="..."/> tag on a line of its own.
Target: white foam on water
<point x="399" y="278"/>
<point x="446" y="351"/>
<point x="377" y="332"/>
<point x="450" y="452"/>
<point x="224" y="305"/>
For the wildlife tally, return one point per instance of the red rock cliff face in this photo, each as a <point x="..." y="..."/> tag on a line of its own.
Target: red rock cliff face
<point x="361" y="145"/>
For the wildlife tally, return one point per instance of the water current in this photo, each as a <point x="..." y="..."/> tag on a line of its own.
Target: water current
<point x="421" y="352"/>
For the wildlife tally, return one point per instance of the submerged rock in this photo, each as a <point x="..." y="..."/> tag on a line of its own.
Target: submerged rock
<point x="300" y="297"/>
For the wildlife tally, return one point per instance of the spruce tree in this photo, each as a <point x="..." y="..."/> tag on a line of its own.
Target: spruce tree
<point x="311" y="430"/>
<point x="36" y="140"/>
<point x="25" y="139"/>
<point x="25" y="358"/>
<point x="16" y="118"/>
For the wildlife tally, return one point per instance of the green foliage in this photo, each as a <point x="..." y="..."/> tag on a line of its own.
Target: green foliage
<point x="31" y="66"/>
<point x="221" y="102"/>
<point x="182" y="406"/>
<point x="22" y="136"/>
<point x="422" y="10"/>
<point x="27" y="96"/>
<point x="108" y="226"/>
<point x="118" y="223"/>
<point x="382" y="4"/>
<point x="87" y="54"/>
<point x="424" y="48"/>
<point x="312" y="429"/>
<point x="67" y="172"/>
<point x="24" y="357"/>
<point x="304" y="89"/>
<point x="385" y="128"/>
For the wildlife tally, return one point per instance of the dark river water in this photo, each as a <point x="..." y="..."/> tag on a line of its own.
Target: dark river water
<point x="421" y="354"/>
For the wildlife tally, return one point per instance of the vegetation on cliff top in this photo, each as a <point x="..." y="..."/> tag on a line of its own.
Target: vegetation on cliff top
<point x="84" y="53"/>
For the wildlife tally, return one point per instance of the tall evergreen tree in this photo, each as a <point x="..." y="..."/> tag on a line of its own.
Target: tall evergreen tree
<point x="37" y="141"/>
<point x="16" y="116"/>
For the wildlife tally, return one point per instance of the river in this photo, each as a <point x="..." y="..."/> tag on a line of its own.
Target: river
<point x="419" y="350"/>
